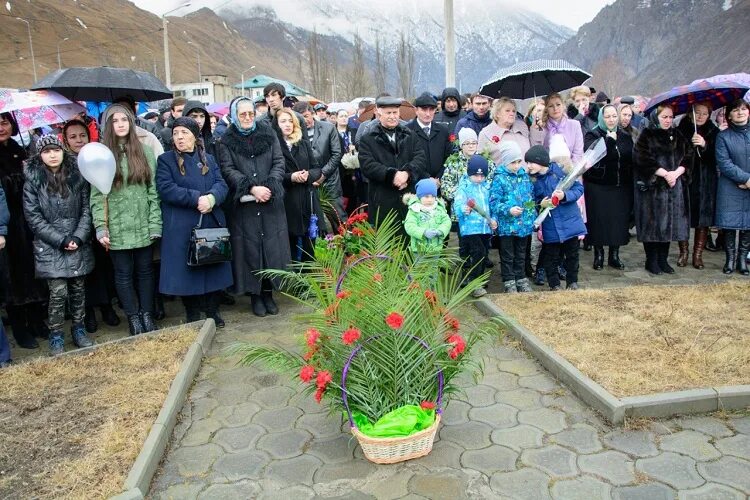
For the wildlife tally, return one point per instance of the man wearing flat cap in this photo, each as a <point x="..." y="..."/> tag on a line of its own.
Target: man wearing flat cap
<point x="431" y="137"/>
<point x="391" y="160"/>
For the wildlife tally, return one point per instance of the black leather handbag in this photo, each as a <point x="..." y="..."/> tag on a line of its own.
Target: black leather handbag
<point x="209" y="246"/>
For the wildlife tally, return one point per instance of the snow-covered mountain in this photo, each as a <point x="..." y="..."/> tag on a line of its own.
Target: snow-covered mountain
<point x="489" y="34"/>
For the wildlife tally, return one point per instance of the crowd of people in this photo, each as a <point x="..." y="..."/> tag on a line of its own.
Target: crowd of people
<point x="472" y="164"/>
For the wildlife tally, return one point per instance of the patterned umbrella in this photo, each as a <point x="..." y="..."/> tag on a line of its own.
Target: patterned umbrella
<point x="38" y="108"/>
<point x="682" y="98"/>
<point x="534" y="78"/>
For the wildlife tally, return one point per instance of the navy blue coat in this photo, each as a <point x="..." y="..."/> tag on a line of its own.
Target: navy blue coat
<point x="564" y="221"/>
<point x="733" y="160"/>
<point x="179" y="199"/>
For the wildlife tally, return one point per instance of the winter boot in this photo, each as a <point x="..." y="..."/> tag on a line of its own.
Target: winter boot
<point x="710" y="245"/>
<point x="742" y="250"/>
<point x="259" y="308"/>
<point x="109" y="316"/>
<point x="80" y="339"/>
<point x="562" y="272"/>
<point x="149" y="325"/>
<point x="90" y="320"/>
<point x="682" y="259"/>
<point x="267" y="294"/>
<point x="523" y="286"/>
<point x="598" y="258"/>
<point x="699" y="243"/>
<point x="662" y="255"/>
<point x="651" y="258"/>
<point x="510" y="286"/>
<point x="212" y="309"/>
<point x="135" y="326"/>
<point x="613" y="260"/>
<point x="20" y="327"/>
<point x="541" y="276"/>
<point x="159" y="313"/>
<point x="730" y="250"/>
<point x="56" y="343"/>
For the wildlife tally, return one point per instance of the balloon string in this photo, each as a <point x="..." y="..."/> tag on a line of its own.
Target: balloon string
<point x="106" y="218"/>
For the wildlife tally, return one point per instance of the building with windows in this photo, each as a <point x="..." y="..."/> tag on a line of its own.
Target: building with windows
<point x="253" y="87"/>
<point x="213" y="88"/>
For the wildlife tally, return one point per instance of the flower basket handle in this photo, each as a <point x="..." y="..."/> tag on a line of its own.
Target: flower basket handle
<point x="355" y="351"/>
<point x="354" y="263"/>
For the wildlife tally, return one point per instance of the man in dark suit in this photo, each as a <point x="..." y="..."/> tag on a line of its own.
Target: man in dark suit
<point x="432" y="137"/>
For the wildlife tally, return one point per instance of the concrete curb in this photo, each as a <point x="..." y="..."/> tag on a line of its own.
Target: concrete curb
<point x="137" y="483"/>
<point x="615" y="410"/>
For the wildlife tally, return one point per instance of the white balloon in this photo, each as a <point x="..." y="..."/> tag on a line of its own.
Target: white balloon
<point x="97" y="165"/>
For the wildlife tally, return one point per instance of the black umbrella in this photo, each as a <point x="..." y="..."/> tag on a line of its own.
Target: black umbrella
<point x="534" y="78"/>
<point x="104" y="84"/>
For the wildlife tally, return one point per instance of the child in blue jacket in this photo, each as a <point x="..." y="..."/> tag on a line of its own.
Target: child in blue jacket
<point x="512" y="206"/>
<point x="564" y="225"/>
<point x="471" y="205"/>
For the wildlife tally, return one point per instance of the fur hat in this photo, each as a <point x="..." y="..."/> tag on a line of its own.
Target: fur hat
<point x="49" y="141"/>
<point x="538" y="155"/>
<point x="466" y="134"/>
<point x="426" y="187"/>
<point x="477" y="165"/>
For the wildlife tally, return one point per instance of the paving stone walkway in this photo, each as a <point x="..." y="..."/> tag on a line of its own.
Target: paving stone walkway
<point x="248" y="433"/>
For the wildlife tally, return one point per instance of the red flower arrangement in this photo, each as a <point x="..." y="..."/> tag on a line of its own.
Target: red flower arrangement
<point x="427" y="405"/>
<point x="306" y="373"/>
<point x="350" y="335"/>
<point x="311" y="336"/>
<point x="394" y="320"/>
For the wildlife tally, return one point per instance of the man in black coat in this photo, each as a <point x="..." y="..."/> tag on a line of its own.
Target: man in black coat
<point x="176" y="108"/>
<point x="451" y="111"/>
<point x="432" y="137"/>
<point x="392" y="162"/>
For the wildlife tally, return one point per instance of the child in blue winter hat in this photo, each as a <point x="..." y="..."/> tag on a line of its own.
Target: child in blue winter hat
<point x="427" y="222"/>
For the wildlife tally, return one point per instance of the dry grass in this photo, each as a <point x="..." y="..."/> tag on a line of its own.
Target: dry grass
<point x="642" y="340"/>
<point x="72" y="427"/>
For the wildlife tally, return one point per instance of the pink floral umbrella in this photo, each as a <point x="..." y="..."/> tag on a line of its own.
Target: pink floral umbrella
<point x="38" y="108"/>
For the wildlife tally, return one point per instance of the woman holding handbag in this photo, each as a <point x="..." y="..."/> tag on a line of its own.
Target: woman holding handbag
<point x="192" y="190"/>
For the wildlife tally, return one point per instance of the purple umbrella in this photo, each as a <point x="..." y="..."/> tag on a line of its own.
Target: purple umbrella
<point x="682" y="98"/>
<point x="733" y="77"/>
<point x="221" y="108"/>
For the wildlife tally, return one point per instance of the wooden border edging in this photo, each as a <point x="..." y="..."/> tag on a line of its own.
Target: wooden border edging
<point x="137" y="483"/>
<point x="665" y="404"/>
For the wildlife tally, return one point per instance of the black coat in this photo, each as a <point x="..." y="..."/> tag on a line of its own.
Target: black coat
<point x="703" y="173"/>
<point x="206" y="134"/>
<point x="179" y="198"/>
<point x="379" y="161"/>
<point x="4" y="214"/>
<point x="661" y="212"/>
<point x="616" y="168"/>
<point x="588" y="122"/>
<point x="259" y="232"/>
<point x="17" y="260"/>
<point x="55" y="219"/>
<point x="301" y="199"/>
<point x="449" y="118"/>
<point x="437" y="147"/>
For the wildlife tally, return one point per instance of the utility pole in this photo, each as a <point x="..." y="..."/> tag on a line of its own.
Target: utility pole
<point x="450" y="45"/>
<point x="59" y="60"/>
<point x="31" y="45"/>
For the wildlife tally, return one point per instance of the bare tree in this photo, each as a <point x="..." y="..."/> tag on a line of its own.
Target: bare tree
<point x="609" y="74"/>
<point x="380" y="72"/>
<point x="405" y="65"/>
<point x="319" y="67"/>
<point x="356" y="82"/>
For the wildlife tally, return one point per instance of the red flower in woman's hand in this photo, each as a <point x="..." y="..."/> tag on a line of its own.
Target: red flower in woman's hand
<point x="350" y="335"/>
<point x="323" y="379"/>
<point x="307" y="373"/>
<point x="394" y="320"/>
<point x="312" y="335"/>
<point x="427" y="405"/>
<point x="495" y="139"/>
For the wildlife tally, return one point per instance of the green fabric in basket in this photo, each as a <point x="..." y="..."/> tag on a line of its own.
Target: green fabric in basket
<point x="400" y="422"/>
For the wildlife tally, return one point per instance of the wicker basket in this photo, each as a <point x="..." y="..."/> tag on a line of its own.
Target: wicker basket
<point x="397" y="449"/>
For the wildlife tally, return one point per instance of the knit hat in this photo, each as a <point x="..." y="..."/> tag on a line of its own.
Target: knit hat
<point x="477" y="165"/>
<point x="49" y="141"/>
<point x="188" y="123"/>
<point x="466" y="134"/>
<point x="426" y="187"/>
<point x="117" y="108"/>
<point x="558" y="148"/>
<point x="537" y="154"/>
<point x="510" y="152"/>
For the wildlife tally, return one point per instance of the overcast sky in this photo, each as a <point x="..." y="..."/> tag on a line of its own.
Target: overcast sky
<point x="571" y="14"/>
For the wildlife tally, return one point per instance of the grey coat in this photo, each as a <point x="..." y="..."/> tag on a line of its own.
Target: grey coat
<point x="733" y="160"/>
<point x="55" y="220"/>
<point x="258" y="230"/>
<point x="326" y="148"/>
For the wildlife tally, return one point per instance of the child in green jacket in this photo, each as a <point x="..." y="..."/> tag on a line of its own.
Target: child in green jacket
<point x="427" y="222"/>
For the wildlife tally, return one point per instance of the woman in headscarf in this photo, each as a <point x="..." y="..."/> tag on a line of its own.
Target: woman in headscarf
<point x="252" y="164"/>
<point x="702" y="132"/>
<point x="609" y="189"/>
<point x="662" y="157"/>
<point x="191" y="190"/>
<point x="24" y="295"/>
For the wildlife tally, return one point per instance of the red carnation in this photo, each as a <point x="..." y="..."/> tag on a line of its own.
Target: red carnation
<point x="495" y="139"/>
<point x="323" y="379"/>
<point x="312" y="335"/>
<point x="350" y="335"/>
<point x="452" y="322"/>
<point x="471" y="203"/>
<point x="452" y="137"/>
<point x="307" y="373"/>
<point x="319" y="394"/>
<point x="377" y="277"/>
<point x="343" y="294"/>
<point x="357" y="232"/>
<point x="555" y="201"/>
<point x="430" y="296"/>
<point x="459" y="346"/>
<point x="427" y="405"/>
<point x="394" y="320"/>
